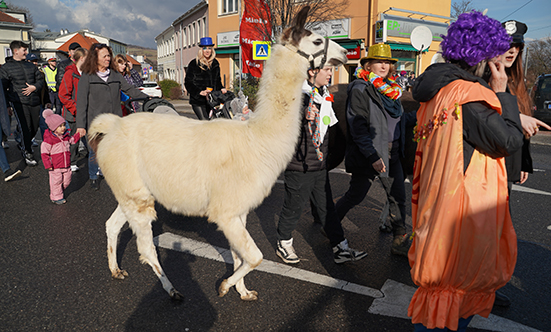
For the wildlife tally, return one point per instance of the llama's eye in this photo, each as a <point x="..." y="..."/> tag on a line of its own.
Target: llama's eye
<point x="318" y="42"/>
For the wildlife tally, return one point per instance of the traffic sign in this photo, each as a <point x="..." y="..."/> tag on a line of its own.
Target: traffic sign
<point x="261" y="50"/>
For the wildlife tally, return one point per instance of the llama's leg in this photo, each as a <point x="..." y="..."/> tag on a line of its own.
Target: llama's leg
<point x="140" y="221"/>
<point x="113" y="227"/>
<point x="246" y="257"/>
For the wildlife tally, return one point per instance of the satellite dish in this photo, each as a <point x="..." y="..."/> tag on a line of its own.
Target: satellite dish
<point x="421" y="37"/>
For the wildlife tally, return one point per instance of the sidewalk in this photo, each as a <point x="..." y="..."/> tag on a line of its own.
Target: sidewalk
<point x="542" y="138"/>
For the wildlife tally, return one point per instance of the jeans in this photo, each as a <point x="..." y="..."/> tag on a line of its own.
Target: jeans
<point x="28" y="117"/>
<point x="93" y="167"/>
<point x="4" y="165"/>
<point x="360" y="183"/>
<point x="462" y="326"/>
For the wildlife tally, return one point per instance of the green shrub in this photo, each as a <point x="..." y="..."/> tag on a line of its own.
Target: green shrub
<point x="249" y="85"/>
<point x="176" y="92"/>
<point x="166" y="86"/>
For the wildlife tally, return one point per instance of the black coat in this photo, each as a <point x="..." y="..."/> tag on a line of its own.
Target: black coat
<point x="198" y="79"/>
<point x="483" y="128"/>
<point x="15" y="75"/>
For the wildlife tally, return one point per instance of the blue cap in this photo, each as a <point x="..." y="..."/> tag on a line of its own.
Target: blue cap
<point x="206" y="41"/>
<point x="32" y="57"/>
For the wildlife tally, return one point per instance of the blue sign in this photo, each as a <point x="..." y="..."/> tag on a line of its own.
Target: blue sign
<point x="261" y="50"/>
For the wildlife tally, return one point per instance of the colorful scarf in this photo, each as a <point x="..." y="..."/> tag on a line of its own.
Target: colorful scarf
<point x="324" y="117"/>
<point x="392" y="91"/>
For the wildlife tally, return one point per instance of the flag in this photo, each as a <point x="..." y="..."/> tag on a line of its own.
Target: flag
<point x="255" y="24"/>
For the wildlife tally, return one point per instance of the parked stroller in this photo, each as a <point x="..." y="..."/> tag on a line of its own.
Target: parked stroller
<point x="151" y="104"/>
<point x="219" y="104"/>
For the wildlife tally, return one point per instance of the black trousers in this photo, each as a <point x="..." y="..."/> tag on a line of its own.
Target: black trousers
<point x="300" y="188"/>
<point x="360" y="183"/>
<point x="201" y="111"/>
<point x="28" y="117"/>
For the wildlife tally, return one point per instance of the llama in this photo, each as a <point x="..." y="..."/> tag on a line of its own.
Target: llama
<point x="220" y="169"/>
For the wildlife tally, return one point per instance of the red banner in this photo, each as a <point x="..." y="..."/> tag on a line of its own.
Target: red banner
<point x="255" y="26"/>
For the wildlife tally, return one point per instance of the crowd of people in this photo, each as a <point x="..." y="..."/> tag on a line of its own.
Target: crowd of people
<point x="473" y="127"/>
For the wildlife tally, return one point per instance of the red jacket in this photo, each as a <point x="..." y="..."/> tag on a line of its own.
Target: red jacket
<point x="68" y="92"/>
<point x="55" y="151"/>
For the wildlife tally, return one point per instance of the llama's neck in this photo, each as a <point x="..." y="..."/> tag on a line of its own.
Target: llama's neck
<point x="277" y="113"/>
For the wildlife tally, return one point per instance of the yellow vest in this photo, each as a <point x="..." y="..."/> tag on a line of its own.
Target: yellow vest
<point x="50" y="77"/>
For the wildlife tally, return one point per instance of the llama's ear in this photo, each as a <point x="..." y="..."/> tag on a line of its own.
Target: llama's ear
<point x="300" y="19"/>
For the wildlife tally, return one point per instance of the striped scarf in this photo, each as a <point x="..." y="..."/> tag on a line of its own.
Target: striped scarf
<point x="392" y="91"/>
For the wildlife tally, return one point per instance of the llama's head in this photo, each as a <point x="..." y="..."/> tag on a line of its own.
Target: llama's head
<point x="315" y="48"/>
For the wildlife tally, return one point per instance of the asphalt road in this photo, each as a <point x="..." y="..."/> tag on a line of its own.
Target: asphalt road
<point x="55" y="275"/>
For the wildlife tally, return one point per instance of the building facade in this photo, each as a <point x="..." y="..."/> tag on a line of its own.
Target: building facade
<point x="188" y="30"/>
<point x="166" y="58"/>
<point x="362" y="24"/>
<point x="13" y="26"/>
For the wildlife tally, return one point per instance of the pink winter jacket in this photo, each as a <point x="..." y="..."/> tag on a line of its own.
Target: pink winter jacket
<point x="55" y="151"/>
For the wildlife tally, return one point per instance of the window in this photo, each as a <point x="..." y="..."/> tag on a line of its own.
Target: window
<point x="193" y="33"/>
<point x="229" y="6"/>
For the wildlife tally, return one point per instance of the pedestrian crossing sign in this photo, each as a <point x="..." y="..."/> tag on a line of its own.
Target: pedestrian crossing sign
<point x="261" y="50"/>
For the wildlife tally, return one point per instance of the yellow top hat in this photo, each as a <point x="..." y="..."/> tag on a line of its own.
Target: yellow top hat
<point x="378" y="52"/>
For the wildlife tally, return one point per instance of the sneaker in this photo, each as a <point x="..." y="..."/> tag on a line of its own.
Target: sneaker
<point x="94" y="184"/>
<point x="400" y="245"/>
<point x="286" y="252"/>
<point x="60" y="201"/>
<point x="99" y="173"/>
<point x="29" y="159"/>
<point x="74" y="168"/>
<point x="342" y="253"/>
<point x="11" y="174"/>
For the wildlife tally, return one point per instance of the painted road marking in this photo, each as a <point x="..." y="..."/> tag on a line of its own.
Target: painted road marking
<point x="392" y="300"/>
<point x="530" y="190"/>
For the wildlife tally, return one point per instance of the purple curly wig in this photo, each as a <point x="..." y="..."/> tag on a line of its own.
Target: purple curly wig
<point x="474" y="37"/>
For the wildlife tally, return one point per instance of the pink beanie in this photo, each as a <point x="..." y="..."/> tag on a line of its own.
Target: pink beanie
<point x="52" y="120"/>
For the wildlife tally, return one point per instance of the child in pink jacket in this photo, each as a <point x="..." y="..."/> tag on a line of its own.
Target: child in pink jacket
<point x="56" y="155"/>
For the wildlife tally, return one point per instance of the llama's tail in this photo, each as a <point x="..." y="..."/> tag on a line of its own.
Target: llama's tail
<point x="100" y="127"/>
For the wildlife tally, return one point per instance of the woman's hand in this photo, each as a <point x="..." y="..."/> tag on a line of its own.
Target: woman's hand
<point x="205" y="93"/>
<point x="498" y="80"/>
<point x="81" y="131"/>
<point x="379" y="166"/>
<point x="531" y="125"/>
<point x="224" y="90"/>
<point x="523" y="177"/>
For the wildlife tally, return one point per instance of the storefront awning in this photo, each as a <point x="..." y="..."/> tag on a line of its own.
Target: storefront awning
<point x="227" y="50"/>
<point x="349" y="44"/>
<point x="404" y="47"/>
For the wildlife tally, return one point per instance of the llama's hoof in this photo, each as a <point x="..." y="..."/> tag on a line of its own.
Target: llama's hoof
<point x="224" y="288"/>
<point x="119" y="274"/>
<point x="250" y="296"/>
<point x="175" y="295"/>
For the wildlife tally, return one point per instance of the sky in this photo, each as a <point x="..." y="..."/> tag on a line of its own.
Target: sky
<point x="138" y="22"/>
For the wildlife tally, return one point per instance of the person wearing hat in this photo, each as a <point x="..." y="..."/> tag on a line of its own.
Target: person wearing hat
<point x="56" y="155"/>
<point x="203" y="77"/>
<point x="464" y="245"/>
<point x="50" y="72"/>
<point x="63" y="64"/>
<point x="519" y="164"/>
<point x="23" y="82"/>
<point x="376" y="139"/>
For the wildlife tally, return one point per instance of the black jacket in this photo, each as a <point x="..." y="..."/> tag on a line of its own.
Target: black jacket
<point x="198" y="80"/>
<point x="61" y="71"/>
<point x="305" y="158"/>
<point x="483" y="128"/>
<point x="15" y="75"/>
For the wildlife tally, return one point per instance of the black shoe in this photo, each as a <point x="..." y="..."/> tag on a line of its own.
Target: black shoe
<point x="29" y="159"/>
<point x="400" y="245"/>
<point x="342" y="253"/>
<point x="502" y="300"/>
<point x="11" y="174"/>
<point x="94" y="184"/>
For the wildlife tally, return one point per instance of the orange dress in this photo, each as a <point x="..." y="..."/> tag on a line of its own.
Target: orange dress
<point x="464" y="246"/>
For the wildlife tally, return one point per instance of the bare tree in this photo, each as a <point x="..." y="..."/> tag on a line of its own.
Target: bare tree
<point x="460" y="7"/>
<point x="539" y="58"/>
<point x="24" y="10"/>
<point x="280" y="13"/>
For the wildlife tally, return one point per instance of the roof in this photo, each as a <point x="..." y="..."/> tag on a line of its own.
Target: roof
<point x="133" y="61"/>
<point x="9" y="19"/>
<point x="85" y="42"/>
